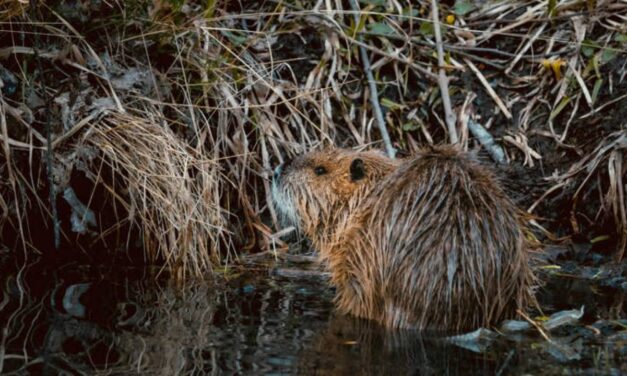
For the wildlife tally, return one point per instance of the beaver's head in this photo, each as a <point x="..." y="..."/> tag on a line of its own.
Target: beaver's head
<point x="316" y="190"/>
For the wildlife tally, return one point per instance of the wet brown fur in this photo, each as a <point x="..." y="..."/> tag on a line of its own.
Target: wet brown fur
<point x="429" y="242"/>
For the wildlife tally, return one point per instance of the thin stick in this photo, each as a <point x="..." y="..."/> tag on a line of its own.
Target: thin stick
<point x="449" y="116"/>
<point x="299" y="273"/>
<point x="489" y="89"/>
<point x="535" y="324"/>
<point x="49" y="156"/>
<point x="374" y="94"/>
<point x="525" y="48"/>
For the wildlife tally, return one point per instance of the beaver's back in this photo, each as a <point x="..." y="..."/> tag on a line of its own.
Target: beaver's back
<point x="436" y="245"/>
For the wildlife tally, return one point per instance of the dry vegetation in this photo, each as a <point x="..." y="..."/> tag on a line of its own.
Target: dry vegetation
<point x="155" y="124"/>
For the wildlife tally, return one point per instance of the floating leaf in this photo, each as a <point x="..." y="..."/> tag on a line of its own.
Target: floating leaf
<point x="381" y="28"/>
<point x="463" y="7"/>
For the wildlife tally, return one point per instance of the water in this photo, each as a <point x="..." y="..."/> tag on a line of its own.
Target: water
<point x="113" y="320"/>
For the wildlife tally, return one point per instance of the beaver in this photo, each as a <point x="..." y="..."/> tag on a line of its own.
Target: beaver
<point x="427" y="242"/>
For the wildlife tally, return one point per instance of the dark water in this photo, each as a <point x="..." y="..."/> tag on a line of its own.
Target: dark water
<point x="89" y="320"/>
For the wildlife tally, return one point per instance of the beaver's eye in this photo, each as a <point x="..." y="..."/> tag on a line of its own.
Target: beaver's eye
<point x="319" y="170"/>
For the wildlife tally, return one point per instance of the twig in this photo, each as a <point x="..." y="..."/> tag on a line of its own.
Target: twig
<point x="582" y="84"/>
<point x="525" y="48"/>
<point x="78" y="126"/>
<point x="520" y="141"/>
<point x="488" y="62"/>
<point x="52" y="194"/>
<point x="608" y="103"/>
<point x="442" y="79"/>
<point x="390" y="56"/>
<point x="489" y="89"/>
<point x="505" y="363"/>
<point x="535" y="324"/>
<point x="545" y="195"/>
<point x="374" y="94"/>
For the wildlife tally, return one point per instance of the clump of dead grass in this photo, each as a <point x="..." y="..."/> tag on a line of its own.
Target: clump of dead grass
<point x="170" y="190"/>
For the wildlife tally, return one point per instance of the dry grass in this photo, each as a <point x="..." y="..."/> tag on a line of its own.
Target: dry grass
<point x="170" y="190"/>
<point x="191" y="106"/>
<point x="600" y="173"/>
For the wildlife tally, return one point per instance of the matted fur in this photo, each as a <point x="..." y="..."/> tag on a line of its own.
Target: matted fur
<point x="429" y="242"/>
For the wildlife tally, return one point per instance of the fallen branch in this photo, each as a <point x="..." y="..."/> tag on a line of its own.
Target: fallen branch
<point x="374" y="94"/>
<point x="449" y="116"/>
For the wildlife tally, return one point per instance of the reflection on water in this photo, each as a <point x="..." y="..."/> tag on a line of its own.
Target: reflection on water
<point x="123" y="321"/>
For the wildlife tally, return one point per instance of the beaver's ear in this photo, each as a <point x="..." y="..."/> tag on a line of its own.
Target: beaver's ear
<point x="357" y="169"/>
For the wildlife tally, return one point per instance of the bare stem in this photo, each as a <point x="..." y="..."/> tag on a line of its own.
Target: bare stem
<point x="449" y="116"/>
<point x="374" y="94"/>
<point x="52" y="194"/>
